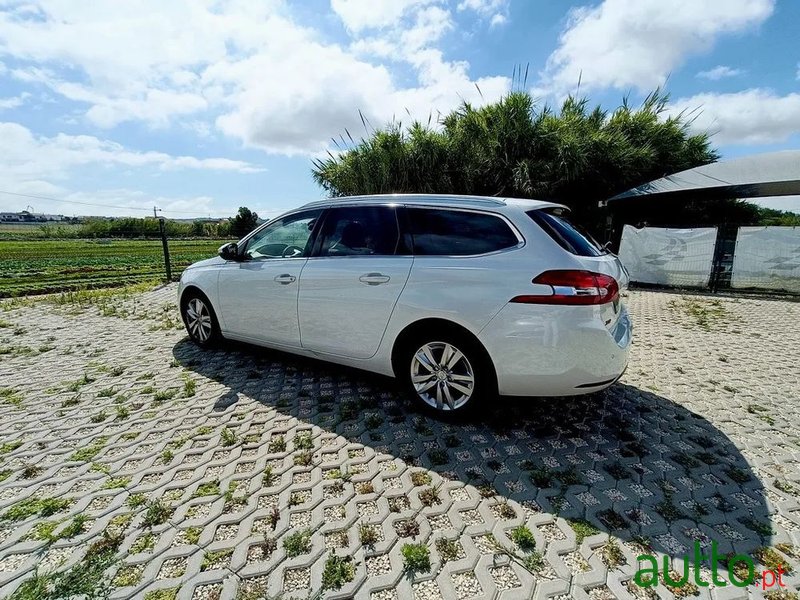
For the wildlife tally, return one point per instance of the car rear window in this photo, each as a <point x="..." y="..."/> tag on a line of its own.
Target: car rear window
<point x="458" y="233"/>
<point x="569" y="236"/>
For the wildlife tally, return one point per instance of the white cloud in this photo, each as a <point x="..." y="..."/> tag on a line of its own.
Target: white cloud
<point x="358" y="15"/>
<point x="754" y="116"/>
<point x="13" y="101"/>
<point x="495" y="10"/>
<point x="790" y="203"/>
<point x="719" y="72"/>
<point x="623" y="44"/>
<point x="246" y="68"/>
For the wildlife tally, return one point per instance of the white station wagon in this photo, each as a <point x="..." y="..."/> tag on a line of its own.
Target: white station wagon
<point x="461" y="298"/>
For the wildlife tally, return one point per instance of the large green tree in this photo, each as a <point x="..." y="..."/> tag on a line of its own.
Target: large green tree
<point x="575" y="155"/>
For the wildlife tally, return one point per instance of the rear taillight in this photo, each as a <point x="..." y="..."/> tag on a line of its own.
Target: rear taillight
<point x="573" y="287"/>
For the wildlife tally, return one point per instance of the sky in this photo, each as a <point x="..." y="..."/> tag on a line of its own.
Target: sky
<point x="200" y="106"/>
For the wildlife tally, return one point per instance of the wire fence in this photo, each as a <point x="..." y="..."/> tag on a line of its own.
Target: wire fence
<point x="715" y="258"/>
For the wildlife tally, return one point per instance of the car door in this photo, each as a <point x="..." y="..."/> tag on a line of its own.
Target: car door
<point x="350" y="285"/>
<point x="258" y="293"/>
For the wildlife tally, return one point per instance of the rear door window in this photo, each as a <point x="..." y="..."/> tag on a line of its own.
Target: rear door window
<point x="437" y="232"/>
<point x="569" y="236"/>
<point x="359" y="231"/>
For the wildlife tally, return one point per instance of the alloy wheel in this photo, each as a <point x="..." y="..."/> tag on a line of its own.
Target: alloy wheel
<point x="198" y="320"/>
<point x="442" y="376"/>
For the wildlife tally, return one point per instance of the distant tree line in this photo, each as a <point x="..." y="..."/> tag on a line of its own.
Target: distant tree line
<point x="130" y="227"/>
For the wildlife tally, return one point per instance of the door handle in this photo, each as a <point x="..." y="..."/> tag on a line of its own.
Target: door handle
<point x="374" y="278"/>
<point x="285" y="279"/>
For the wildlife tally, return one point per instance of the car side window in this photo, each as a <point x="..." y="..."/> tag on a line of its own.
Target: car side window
<point x="359" y="231"/>
<point x="286" y="238"/>
<point x="446" y="232"/>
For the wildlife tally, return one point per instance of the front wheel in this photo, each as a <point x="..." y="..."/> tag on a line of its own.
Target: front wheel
<point x="446" y="374"/>
<point x="200" y="320"/>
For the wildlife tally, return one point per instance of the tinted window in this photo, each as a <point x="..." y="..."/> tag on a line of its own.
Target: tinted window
<point x="286" y="238"/>
<point x="359" y="231"/>
<point x="569" y="236"/>
<point x="458" y="233"/>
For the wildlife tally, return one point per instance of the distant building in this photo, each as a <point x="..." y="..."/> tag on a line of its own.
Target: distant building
<point x="29" y="217"/>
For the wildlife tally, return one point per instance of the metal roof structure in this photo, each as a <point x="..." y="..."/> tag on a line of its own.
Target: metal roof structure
<point x="756" y="176"/>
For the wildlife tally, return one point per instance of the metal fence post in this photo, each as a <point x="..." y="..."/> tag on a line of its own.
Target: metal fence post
<point x="167" y="266"/>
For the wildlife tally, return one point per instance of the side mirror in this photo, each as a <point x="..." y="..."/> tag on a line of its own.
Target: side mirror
<point x="229" y="251"/>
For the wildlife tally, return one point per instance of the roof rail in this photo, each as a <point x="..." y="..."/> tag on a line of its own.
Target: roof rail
<point x="427" y="198"/>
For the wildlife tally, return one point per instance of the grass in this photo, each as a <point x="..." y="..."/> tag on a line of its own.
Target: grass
<point x="523" y="537"/>
<point x="447" y="549"/>
<point x="208" y="488"/>
<point x="297" y="543"/>
<point x="338" y="571"/>
<point x="10" y="396"/>
<point x="87" y="453"/>
<point x="582" y="529"/>
<point x="7" y="447"/>
<point x="277" y="444"/>
<point x="367" y="534"/>
<point x="416" y="558"/>
<point x="157" y="513"/>
<point x="42" y="507"/>
<point x="227" y="437"/>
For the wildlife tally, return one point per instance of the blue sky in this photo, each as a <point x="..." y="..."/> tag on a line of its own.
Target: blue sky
<point x="201" y="106"/>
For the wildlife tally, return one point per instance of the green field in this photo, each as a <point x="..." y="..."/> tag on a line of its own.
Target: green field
<point x="43" y="266"/>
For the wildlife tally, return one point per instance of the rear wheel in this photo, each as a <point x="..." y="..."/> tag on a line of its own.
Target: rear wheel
<point x="447" y="374"/>
<point x="200" y="320"/>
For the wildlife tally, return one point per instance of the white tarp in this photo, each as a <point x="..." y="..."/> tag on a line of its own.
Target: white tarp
<point x="768" y="258"/>
<point x="679" y="257"/>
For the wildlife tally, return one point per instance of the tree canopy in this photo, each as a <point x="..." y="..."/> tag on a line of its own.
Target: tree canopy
<point x="576" y="155"/>
<point x="244" y="222"/>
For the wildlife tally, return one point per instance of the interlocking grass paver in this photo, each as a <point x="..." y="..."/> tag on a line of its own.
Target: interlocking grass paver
<point x="697" y="442"/>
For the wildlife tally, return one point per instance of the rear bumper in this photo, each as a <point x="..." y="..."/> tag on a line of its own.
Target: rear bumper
<point x="541" y="350"/>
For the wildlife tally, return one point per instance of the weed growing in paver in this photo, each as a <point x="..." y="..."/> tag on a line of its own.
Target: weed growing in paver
<point x="5" y="474"/>
<point x="116" y="482"/>
<point x="407" y="528"/>
<point x="612" y="555"/>
<point x="569" y="476"/>
<point x="136" y="500"/>
<point x="737" y="475"/>
<point x="10" y="396"/>
<point x="43" y="507"/>
<point x="542" y="477"/>
<point x="71" y="401"/>
<point x="76" y="385"/>
<point x="420" y="478"/>
<point x="148" y="389"/>
<point x="144" y="543"/>
<point x="208" y="488"/>
<point x="452" y="441"/>
<point x="192" y="534"/>
<point x="106" y="393"/>
<point x="668" y="510"/>
<point x="297" y="543"/>
<point x="759" y="411"/>
<point x="74" y="528"/>
<point x="167" y="456"/>
<point x="373" y="421"/>
<point x="99" y="417"/>
<point x="189" y="386"/>
<point x="87" y="453"/>
<point x="582" y="529"/>
<point x="338" y="571"/>
<point x="277" y="444"/>
<point x="447" y="549"/>
<point x="533" y="562"/>
<point x="273" y="517"/>
<point x="216" y="560"/>
<point x="43" y="531"/>
<point x="7" y="447"/>
<point x="523" y="538"/>
<point x="164" y="395"/>
<point x="430" y="496"/>
<point x="612" y="519"/>
<point x="781" y="595"/>
<point x="617" y="471"/>
<point x="438" y="457"/>
<point x="269" y="545"/>
<point x="762" y="528"/>
<point x="788" y="549"/>
<point x="156" y="513"/>
<point x="168" y="594"/>
<point x="772" y="560"/>
<point x="505" y="510"/>
<point x="227" y="437"/>
<point x="367" y="534"/>
<point x="268" y="477"/>
<point x="31" y="471"/>
<point x="416" y="558"/>
<point x="786" y="487"/>
<point x="303" y="458"/>
<point x="85" y="579"/>
<point x="340" y="474"/>
<point x="365" y="488"/>
<point x="128" y="576"/>
<point x="304" y="441"/>
<point x="100" y="468"/>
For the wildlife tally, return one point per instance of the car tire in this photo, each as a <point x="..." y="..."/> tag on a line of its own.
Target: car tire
<point x="200" y="320"/>
<point x="448" y="374"/>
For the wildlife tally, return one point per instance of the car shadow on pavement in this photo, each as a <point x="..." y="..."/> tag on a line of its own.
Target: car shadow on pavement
<point x="626" y="461"/>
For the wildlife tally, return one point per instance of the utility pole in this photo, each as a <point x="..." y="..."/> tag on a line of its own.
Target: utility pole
<point x="162" y="229"/>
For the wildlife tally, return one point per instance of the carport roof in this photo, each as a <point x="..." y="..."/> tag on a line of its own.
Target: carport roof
<point x="760" y="175"/>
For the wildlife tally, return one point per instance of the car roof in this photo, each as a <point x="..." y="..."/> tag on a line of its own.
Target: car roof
<point x="450" y="200"/>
